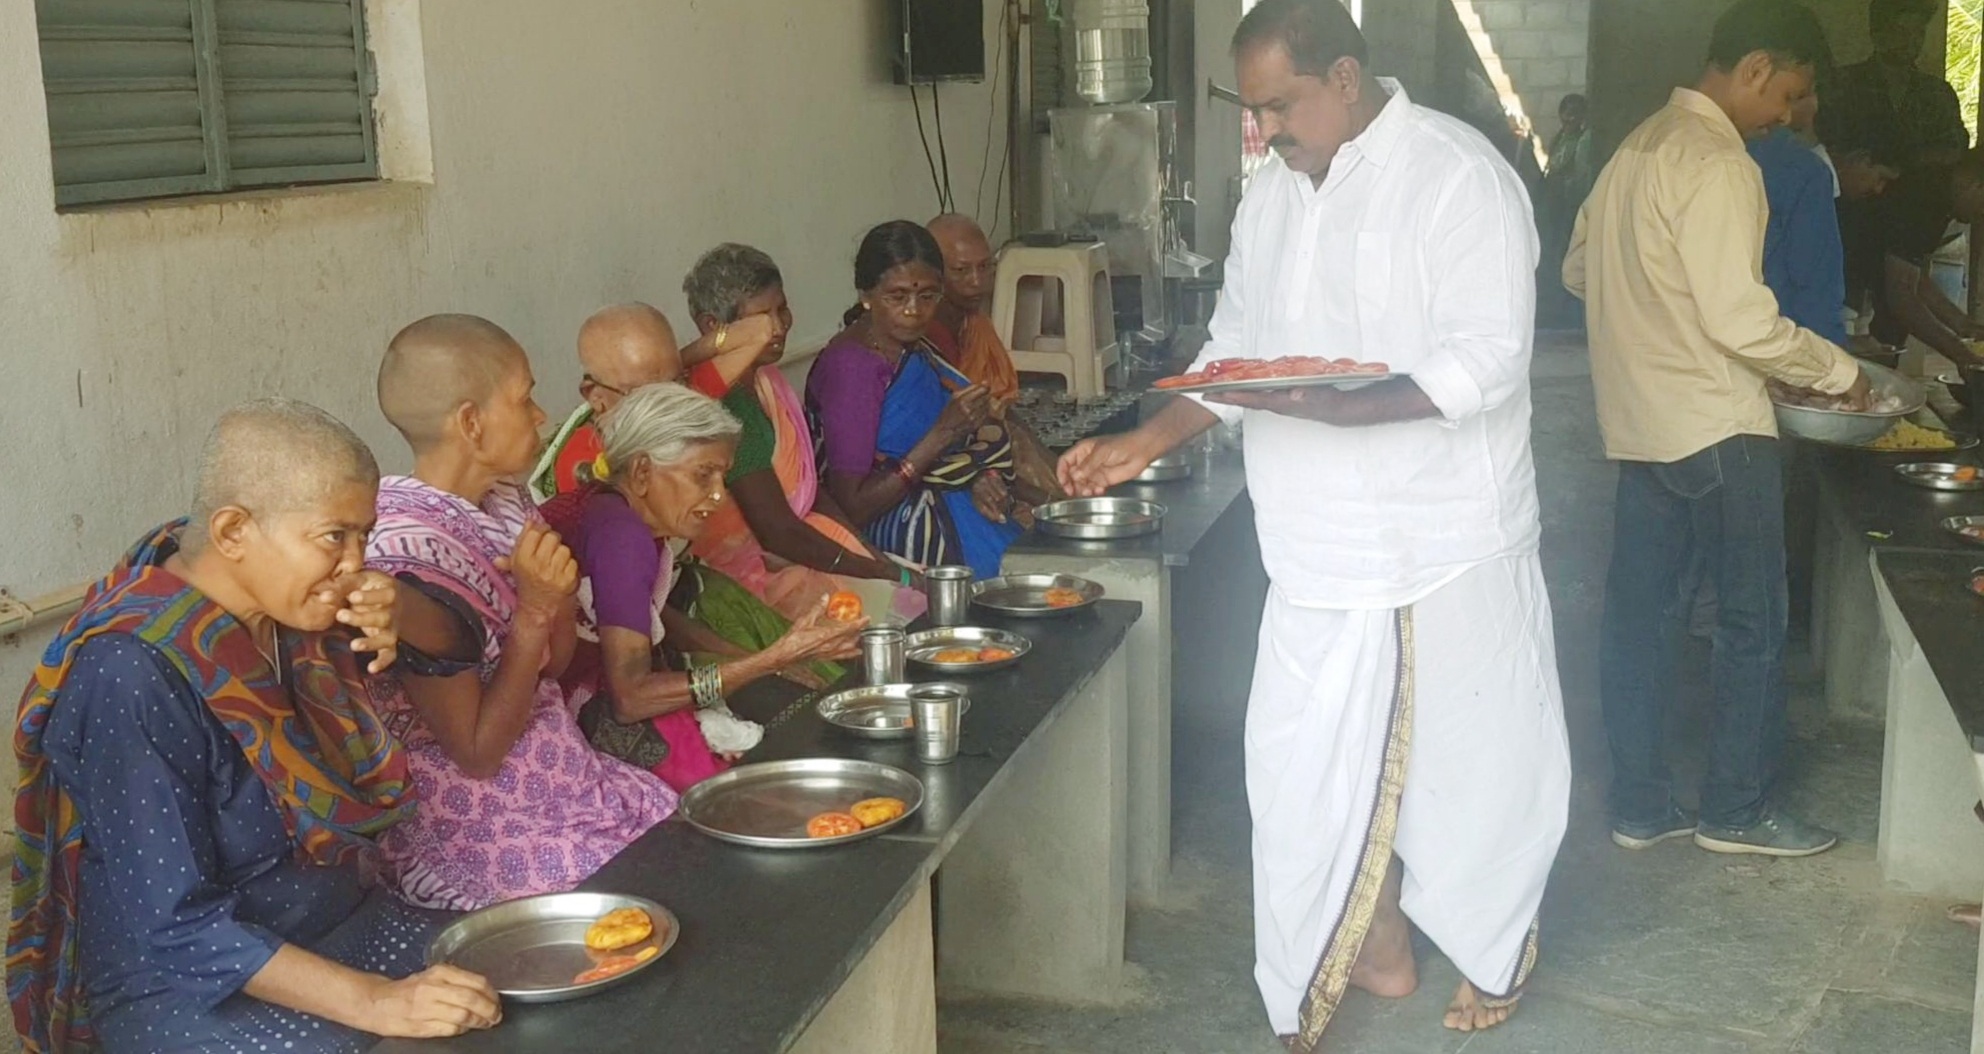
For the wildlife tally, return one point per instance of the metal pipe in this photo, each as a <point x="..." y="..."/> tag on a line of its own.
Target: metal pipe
<point x="19" y="616"/>
<point x="1214" y="91"/>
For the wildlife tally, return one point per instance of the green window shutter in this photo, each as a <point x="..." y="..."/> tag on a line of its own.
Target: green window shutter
<point x="124" y="105"/>
<point x="296" y="91"/>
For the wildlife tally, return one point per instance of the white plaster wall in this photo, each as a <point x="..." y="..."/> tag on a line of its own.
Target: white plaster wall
<point x="584" y="152"/>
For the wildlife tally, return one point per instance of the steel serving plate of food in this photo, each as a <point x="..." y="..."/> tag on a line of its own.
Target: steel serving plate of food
<point x="1941" y="475"/>
<point x="877" y="711"/>
<point x="535" y="950"/>
<point x="1289" y="371"/>
<point x="1097" y="519"/>
<point x="773" y="804"/>
<point x="1036" y="595"/>
<point x="966" y="649"/>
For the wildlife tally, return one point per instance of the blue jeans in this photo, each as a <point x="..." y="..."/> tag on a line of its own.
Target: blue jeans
<point x="1726" y="505"/>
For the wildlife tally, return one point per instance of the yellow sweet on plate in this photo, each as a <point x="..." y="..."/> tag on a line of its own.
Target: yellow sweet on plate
<point x="619" y="928"/>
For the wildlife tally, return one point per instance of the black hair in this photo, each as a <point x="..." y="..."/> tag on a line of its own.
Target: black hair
<point x="887" y="247"/>
<point x="1574" y="97"/>
<point x="1884" y="13"/>
<point x="1787" y="31"/>
<point x="1315" y="33"/>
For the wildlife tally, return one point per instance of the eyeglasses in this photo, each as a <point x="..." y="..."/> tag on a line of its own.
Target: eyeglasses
<point x="588" y="378"/>
<point x="927" y="298"/>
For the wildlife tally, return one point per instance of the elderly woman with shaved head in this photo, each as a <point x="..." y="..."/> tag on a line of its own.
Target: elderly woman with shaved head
<point x="202" y="776"/>
<point x="514" y="800"/>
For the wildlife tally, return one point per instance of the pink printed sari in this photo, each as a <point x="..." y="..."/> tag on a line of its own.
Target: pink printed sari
<point x="557" y="810"/>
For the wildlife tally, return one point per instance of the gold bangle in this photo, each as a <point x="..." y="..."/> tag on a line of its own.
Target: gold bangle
<point x="722" y="334"/>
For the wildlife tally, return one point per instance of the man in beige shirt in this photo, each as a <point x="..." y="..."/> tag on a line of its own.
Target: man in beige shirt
<point x="1667" y="254"/>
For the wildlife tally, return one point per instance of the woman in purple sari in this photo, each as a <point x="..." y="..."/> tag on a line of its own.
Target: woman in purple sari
<point x="914" y="451"/>
<point x="514" y="800"/>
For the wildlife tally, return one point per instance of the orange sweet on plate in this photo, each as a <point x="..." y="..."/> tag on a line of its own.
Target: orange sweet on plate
<point x="1060" y="597"/>
<point x="616" y="965"/>
<point x="995" y="654"/>
<point x="832" y="825"/>
<point x="844" y="606"/>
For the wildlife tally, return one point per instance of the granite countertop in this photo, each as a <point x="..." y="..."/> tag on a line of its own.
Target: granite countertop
<point x="1932" y="589"/>
<point x="1864" y="489"/>
<point x="1192" y="506"/>
<point x="769" y="935"/>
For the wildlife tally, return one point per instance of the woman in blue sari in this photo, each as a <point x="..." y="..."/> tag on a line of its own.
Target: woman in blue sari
<point x="915" y="453"/>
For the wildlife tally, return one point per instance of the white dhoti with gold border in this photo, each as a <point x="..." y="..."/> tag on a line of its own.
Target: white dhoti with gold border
<point x="1435" y="732"/>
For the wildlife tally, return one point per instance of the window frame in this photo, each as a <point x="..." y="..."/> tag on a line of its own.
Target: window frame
<point x="221" y="176"/>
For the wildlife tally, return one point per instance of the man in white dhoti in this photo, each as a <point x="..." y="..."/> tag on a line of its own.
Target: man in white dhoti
<point x="1405" y="699"/>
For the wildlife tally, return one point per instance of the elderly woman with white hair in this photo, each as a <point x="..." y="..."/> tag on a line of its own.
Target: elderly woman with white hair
<point x="667" y="450"/>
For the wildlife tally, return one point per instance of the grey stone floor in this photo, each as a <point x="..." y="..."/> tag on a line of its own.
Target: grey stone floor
<point x="1671" y="951"/>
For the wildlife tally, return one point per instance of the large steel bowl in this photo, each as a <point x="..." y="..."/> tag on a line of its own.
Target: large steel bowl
<point x="1855" y="429"/>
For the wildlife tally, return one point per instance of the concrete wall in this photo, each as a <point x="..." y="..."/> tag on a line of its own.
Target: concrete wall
<point x="1640" y="51"/>
<point x="1540" y="47"/>
<point x="583" y="152"/>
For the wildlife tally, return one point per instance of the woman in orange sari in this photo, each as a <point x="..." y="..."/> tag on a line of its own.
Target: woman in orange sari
<point x="783" y="538"/>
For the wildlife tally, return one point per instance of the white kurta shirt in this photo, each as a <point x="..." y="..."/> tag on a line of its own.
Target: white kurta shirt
<point x="1419" y="250"/>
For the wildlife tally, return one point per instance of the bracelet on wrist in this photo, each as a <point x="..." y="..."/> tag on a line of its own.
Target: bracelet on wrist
<point x="906" y="471"/>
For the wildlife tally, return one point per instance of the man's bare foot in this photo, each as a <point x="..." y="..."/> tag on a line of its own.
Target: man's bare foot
<point x="1384" y="965"/>
<point x="1467" y="1013"/>
<point x="1968" y="914"/>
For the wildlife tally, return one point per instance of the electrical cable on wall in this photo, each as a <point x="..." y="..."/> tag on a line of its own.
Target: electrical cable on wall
<point x="943" y="152"/>
<point x="916" y="103"/>
<point x="991" y="108"/>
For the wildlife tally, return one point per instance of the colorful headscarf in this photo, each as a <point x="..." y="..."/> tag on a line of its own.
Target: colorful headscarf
<point x="336" y="774"/>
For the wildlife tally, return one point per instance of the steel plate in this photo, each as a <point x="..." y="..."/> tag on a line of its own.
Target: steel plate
<point x="1025" y="596"/>
<point x="921" y="646"/>
<point x="1964" y="526"/>
<point x="877" y="711"/>
<point x="1168" y="469"/>
<point x="1940" y="475"/>
<point x="1095" y="519"/>
<point x="767" y="804"/>
<point x="1276" y="384"/>
<point x="530" y="949"/>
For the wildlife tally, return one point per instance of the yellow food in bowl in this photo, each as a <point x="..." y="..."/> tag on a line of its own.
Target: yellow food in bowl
<point x="1907" y="435"/>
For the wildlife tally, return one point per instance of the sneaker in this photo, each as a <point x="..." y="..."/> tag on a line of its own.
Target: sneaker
<point x="1678" y="823"/>
<point x="1775" y="834"/>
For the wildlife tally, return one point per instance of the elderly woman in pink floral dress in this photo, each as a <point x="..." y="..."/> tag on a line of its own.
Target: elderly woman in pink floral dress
<point x="513" y="799"/>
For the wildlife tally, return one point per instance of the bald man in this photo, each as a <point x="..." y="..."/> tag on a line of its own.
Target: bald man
<point x="963" y="332"/>
<point x="623" y="347"/>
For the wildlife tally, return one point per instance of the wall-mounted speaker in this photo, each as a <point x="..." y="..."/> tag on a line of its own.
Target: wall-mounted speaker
<point x="939" y="40"/>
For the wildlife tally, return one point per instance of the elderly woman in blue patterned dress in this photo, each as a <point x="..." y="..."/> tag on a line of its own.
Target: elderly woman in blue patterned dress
<point x="201" y="777"/>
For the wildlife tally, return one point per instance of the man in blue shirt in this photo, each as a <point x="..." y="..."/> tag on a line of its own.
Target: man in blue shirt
<point x="1804" y="258"/>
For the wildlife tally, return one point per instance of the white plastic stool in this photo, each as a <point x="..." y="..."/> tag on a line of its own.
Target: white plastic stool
<point x="1074" y="278"/>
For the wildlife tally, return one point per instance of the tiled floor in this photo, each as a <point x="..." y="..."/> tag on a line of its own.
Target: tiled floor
<point x="1672" y="951"/>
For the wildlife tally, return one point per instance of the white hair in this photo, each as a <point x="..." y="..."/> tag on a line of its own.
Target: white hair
<point x="664" y="422"/>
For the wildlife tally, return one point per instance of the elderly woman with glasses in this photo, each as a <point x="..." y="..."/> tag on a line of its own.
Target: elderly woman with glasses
<point x="913" y="449"/>
<point x="667" y="451"/>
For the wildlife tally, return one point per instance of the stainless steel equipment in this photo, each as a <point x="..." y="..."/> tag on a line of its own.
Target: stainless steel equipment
<point x="882" y="653"/>
<point x="1941" y="475"/>
<point x="1856" y="429"/>
<point x="939" y="707"/>
<point x="1025" y="596"/>
<point x="926" y="647"/>
<point x="1168" y="469"/>
<point x="950" y="594"/>
<point x="1112" y="50"/>
<point x="532" y="949"/>
<point x="1113" y="176"/>
<point x="880" y="711"/>
<point x="1100" y="518"/>
<point x="767" y="804"/>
